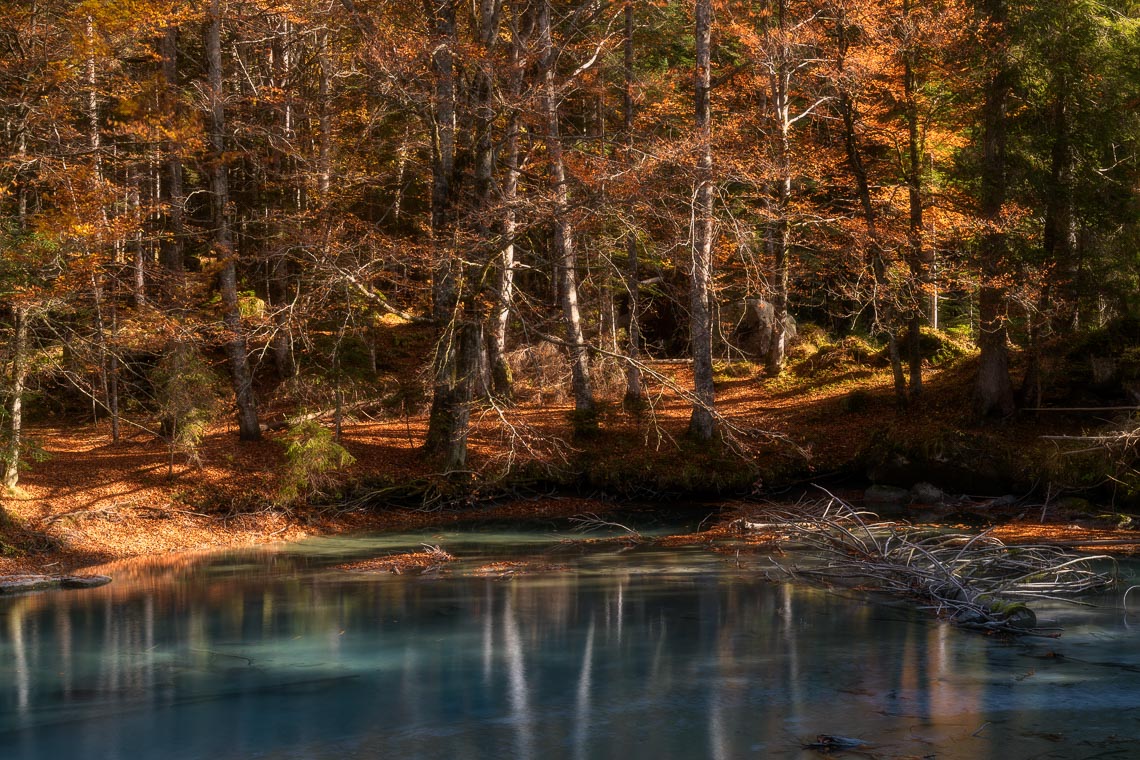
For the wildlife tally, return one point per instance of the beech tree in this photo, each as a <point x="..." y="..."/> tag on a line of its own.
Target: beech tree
<point x="278" y="184"/>
<point x="701" y="424"/>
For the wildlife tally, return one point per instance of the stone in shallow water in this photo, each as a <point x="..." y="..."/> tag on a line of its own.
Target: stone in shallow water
<point x="84" y="581"/>
<point x="20" y="584"/>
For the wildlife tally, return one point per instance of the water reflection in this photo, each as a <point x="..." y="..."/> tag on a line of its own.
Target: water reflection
<point x="650" y="653"/>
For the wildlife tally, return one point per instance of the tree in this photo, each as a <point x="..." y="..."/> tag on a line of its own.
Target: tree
<point x="562" y="242"/>
<point x="701" y="423"/>
<point x="249" y="428"/>
<point x="993" y="389"/>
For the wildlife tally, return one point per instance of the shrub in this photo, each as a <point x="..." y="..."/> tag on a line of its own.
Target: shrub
<point x="188" y="398"/>
<point x="311" y="456"/>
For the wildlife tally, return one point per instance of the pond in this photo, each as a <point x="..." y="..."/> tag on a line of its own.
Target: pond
<point x="608" y="651"/>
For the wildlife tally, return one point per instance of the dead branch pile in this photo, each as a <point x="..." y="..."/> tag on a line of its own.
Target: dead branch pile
<point x="974" y="581"/>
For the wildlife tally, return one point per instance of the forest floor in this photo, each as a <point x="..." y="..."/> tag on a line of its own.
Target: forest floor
<point x="91" y="501"/>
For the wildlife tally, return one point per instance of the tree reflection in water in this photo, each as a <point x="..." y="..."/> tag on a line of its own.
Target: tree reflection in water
<point x="665" y="653"/>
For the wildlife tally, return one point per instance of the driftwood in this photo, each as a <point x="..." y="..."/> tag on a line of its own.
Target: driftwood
<point x="974" y="581"/>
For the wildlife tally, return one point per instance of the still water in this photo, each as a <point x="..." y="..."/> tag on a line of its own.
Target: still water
<point x="610" y="652"/>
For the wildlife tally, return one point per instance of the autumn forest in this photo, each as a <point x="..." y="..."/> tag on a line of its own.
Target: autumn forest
<point x="214" y="211"/>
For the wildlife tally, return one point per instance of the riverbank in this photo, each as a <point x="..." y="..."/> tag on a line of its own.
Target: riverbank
<point x="91" y="501"/>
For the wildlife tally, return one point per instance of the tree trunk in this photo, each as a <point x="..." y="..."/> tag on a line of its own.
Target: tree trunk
<point x="566" y="262"/>
<point x="501" y="380"/>
<point x="171" y="249"/>
<point x="113" y="371"/>
<point x="16" y="397"/>
<point x="282" y="341"/>
<point x="248" y="427"/>
<point x="780" y="231"/>
<point x="634" y="390"/>
<point x="882" y="299"/>
<point x="920" y="261"/>
<point x="993" y="390"/>
<point x="446" y="414"/>
<point x="702" y="423"/>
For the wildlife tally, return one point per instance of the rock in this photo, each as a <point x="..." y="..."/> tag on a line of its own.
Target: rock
<point x="19" y="584"/>
<point x="84" y="581"/>
<point x="753" y="333"/>
<point x="886" y="495"/>
<point x="22" y="584"/>
<point x="927" y="493"/>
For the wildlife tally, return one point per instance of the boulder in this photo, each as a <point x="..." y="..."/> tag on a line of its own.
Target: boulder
<point x="20" y="584"/>
<point x="753" y="332"/>
<point x="84" y="581"/>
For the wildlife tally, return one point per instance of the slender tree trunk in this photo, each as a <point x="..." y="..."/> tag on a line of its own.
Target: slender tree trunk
<point x="702" y="423"/>
<point x="137" y="249"/>
<point x="107" y="366"/>
<point x="634" y="389"/>
<point x="501" y="381"/>
<point x="284" y="164"/>
<point x="563" y="242"/>
<point x="16" y="397"/>
<point x="920" y="261"/>
<point x="504" y="292"/>
<point x="171" y="250"/>
<point x="993" y="390"/>
<point x="113" y="371"/>
<point x="780" y="232"/>
<point x="324" y="93"/>
<point x="248" y="427"/>
<point x="883" y="306"/>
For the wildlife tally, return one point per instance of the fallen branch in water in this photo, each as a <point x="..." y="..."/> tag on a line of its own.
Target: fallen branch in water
<point x="590" y="522"/>
<point x="974" y="581"/>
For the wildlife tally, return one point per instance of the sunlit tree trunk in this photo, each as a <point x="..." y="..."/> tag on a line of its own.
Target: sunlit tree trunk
<point x="501" y="381"/>
<point x="701" y="423"/>
<point x="780" y="230"/>
<point x="566" y="262"/>
<point x="280" y="268"/>
<point x="16" y="397"/>
<point x="634" y="390"/>
<point x="248" y="427"/>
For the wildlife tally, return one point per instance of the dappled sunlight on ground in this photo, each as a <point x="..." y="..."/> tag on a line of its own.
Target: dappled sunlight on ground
<point x="93" y="501"/>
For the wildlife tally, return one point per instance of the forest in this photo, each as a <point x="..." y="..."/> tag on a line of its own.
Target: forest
<point x="253" y="213"/>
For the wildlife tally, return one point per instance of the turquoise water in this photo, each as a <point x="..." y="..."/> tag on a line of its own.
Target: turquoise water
<point x="620" y="652"/>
